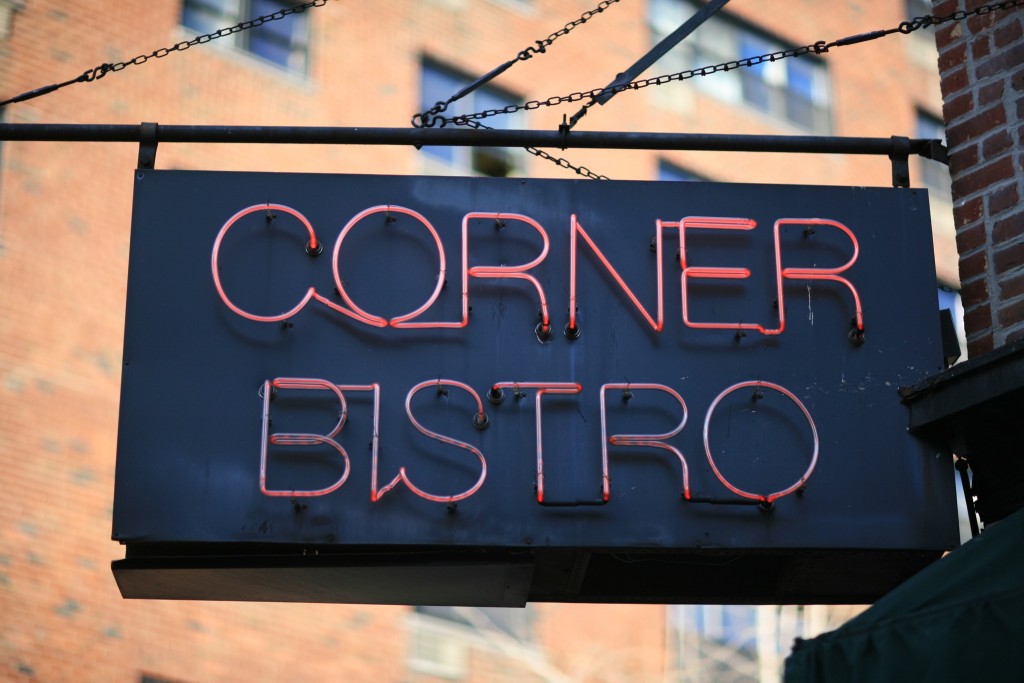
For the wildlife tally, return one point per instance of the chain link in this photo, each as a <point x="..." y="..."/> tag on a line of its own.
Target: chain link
<point x="542" y="45"/>
<point x="818" y="48"/>
<point x="432" y="116"/>
<point x="102" y="70"/>
<point x="558" y="161"/>
<point x="959" y="15"/>
<point x="564" y="163"/>
<point x="428" y="118"/>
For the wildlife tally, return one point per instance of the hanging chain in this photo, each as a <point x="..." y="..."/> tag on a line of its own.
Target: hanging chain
<point x="558" y="161"/>
<point x="932" y="20"/>
<point x="817" y="48"/>
<point x="564" y="163"/>
<point x="102" y="70"/>
<point x="542" y="45"/>
<point x="428" y="118"/>
<point x="431" y="116"/>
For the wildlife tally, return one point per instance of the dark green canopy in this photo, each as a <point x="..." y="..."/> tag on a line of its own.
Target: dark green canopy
<point x="961" y="619"/>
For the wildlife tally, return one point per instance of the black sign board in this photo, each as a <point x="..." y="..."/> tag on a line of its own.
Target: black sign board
<point x="487" y="391"/>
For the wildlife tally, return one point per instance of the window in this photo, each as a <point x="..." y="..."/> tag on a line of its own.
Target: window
<point x="732" y="625"/>
<point x="714" y="642"/>
<point x="284" y="42"/>
<point x="934" y="175"/>
<point x="442" y="638"/>
<point x="438" y="651"/>
<point x="738" y="643"/>
<point x="795" y="90"/>
<point x="512" y="621"/>
<point x="7" y="10"/>
<point x="437" y="84"/>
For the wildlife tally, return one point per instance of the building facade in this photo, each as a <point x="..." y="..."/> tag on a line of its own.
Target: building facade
<point x="65" y="212"/>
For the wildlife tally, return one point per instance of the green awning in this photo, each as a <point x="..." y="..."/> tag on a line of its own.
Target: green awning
<point x="960" y="619"/>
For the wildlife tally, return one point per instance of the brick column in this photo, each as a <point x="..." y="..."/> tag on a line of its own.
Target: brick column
<point x="981" y="63"/>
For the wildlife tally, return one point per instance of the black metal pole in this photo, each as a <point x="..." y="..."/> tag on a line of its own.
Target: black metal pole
<point x="462" y="137"/>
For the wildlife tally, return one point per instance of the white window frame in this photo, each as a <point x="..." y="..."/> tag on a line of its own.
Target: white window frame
<point x="463" y="160"/>
<point x="225" y="13"/>
<point x="718" y="40"/>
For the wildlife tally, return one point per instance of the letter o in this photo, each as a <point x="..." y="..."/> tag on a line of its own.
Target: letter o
<point x="337" y="275"/>
<point x="771" y="497"/>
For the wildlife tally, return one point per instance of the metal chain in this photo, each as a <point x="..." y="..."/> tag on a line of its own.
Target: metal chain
<point x="537" y="152"/>
<point x="820" y="47"/>
<point x="428" y="118"/>
<point x="932" y="20"/>
<point x="102" y="70"/>
<point x="431" y="116"/>
<point x="207" y="37"/>
<point x="542" y="45"/>
<point x="564" y="163"/>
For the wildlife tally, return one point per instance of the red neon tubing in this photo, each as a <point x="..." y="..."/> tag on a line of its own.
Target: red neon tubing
<point x="511" y="272"/>
<point x="770" y="497"/>
<point x="215" y="266"/>
<point x="299" y="439"/>
<point x="314" y="384"/>
<point x="718" y="273"/>
<point x="403" y="476"/>
<point x="831" y="274"/>
<point x="652" y="440"/>
<point x="575" y="228"/>
<point x="376" y="320"/>
<point x="547" y="388"/>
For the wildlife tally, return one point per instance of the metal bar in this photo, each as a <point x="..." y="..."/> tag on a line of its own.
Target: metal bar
<point x="483" y="80"/>
<point x="147" y="146"/>
<point x="659" y="50"/>
<point x="900" y="164"/>
<point x="458" y="137"/>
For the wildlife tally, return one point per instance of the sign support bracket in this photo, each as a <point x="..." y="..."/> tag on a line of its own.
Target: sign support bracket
<point x="900" y="155"/>
<point x="148" y="133"/>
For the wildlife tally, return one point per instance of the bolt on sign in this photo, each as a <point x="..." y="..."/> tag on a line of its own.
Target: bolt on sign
<point x="489" y="391"/>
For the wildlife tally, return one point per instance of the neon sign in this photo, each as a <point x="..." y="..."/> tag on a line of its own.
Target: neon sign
<point x="521" y="272"/>
<point x="481" y="420"/>
<point x="616" y="368"/>
<point x="543" y="330"/>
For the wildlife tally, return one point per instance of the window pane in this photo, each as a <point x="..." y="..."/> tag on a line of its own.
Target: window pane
<point x="206" y="16"/>
<point x="437" y="84"/>
<point x="793" y="89"/>
<point x="282" y="41"/>
<point x="756" y="90"/>
<point x="739" y="629"/>
<point x="484" y="99"/>
<point x="800" y="77"/>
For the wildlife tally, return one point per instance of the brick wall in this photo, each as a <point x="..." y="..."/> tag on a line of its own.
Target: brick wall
<point x="981" y="64"/>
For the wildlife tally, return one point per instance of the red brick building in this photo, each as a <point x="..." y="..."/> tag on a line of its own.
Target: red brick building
<point x="981" y="83"/>
<point x="64" y="230"/>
